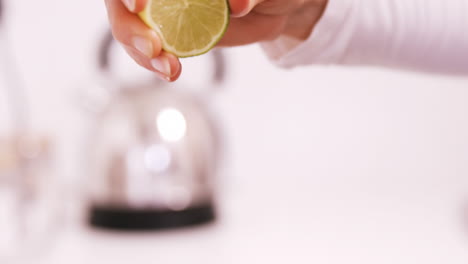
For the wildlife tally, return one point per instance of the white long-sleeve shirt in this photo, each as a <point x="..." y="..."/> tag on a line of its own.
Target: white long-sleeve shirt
<point x="427" y="35"/>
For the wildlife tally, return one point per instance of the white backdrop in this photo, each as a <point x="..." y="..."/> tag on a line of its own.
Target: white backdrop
<point x="325" y="164"/>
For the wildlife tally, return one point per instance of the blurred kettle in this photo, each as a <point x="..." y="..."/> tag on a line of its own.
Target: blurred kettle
<point x="152" y="154"/>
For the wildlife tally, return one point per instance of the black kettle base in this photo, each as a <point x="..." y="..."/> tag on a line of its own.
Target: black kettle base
<point x="149" y="219"/>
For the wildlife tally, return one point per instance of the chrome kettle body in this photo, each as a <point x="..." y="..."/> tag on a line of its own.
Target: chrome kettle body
<point x="152" y="159"/>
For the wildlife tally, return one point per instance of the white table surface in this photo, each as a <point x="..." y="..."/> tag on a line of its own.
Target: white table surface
<point x="291" y="223"/>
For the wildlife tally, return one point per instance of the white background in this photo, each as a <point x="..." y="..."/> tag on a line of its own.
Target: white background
<point x="325" y="164"/>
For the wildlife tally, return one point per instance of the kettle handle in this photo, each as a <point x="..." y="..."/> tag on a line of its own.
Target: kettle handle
<point x="107" y="41"/>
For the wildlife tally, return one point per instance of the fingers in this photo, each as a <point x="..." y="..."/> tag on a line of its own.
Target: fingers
<point x="135" y="6"/>
<point x="166" y="66"/>
<point x="140" y="42"/>
<point x="240" y="8"/>
<point x="261" y="20"/>
<point x="278" y="7"/>
<point x="253" y="28"/>
<point x="128" y="29"/>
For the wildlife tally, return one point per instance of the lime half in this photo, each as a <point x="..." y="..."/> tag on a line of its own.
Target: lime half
<point x="187" y="27"/>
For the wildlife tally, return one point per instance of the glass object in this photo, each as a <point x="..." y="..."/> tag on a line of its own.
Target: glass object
<point x="28" y="202"/>
<point x="28" y="188"/>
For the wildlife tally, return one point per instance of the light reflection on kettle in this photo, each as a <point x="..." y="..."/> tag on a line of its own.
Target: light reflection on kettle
<point x="171" y="124"/>
<point x="152" y="155"/>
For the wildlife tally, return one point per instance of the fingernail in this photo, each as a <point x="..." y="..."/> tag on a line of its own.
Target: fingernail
<point x="130" y="4"/>
<point x="162" y="65"/>
<point x="143" y="45"/>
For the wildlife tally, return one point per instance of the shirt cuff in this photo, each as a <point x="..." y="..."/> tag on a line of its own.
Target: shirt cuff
<point x="326" y="44"/>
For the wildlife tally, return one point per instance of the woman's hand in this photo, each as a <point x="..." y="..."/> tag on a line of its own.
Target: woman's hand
<point x="252" y="21"/>
<point x="140" y="42"/>
<point x="262" y="20"/>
